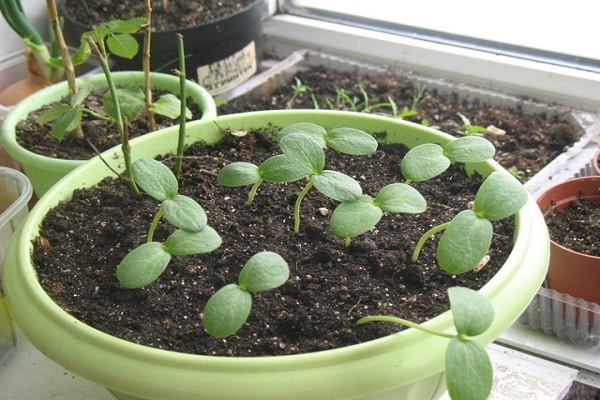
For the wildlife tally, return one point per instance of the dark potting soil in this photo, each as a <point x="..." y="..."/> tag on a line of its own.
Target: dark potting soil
<point x="330" y="286"/>
<point x="178" y="14"/>
<point x="98" y="135"/>
<point x="530" y="141"/>
<point x="577" y="227"/>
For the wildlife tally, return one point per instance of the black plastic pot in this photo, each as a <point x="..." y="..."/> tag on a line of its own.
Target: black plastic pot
<point x="220" y="55"/>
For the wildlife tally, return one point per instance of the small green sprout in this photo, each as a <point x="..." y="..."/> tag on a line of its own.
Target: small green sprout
<point x="516" y="172"/>
<point x="303" y="157"/>
<point x="467" y="237"/>
<point x="469" y="371"/>
<point x="146" y="263"/>
<point x="468" y="129"/>
<point x="428" y="160"/>
<point x="298" y="87"/>
<point x="228" y="309"/>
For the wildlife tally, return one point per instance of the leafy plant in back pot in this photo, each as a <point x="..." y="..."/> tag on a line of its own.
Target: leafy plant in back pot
<point x="45" y="170"/>
<point x="407" y="364"/>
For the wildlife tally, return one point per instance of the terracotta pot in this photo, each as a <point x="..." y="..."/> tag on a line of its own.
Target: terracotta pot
<point x="596" y="163"/>
<point x="571" y="272"/>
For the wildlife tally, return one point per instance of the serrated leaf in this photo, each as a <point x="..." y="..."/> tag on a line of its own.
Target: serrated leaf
<point x="155" y="178"/>
<point x="353" y="218"/>
<point x="400" y="198"/>
<point x="337" y="185"/>
<point x="473" y="313"/>
<point x="423" y="162"/>
<point x="469" y="149"/>
<point x="131" y="101"/>
<point x="464" y="243"/>
<point x="169" y="106"/>
<point x="315" y="131"/>
<point x="79" y="97"/>
<point x="66" y="123"/>
<point x="303" y="151"/>
<point x="279" y="168"/>
<point x="263" y="271"/>
<point x="53" y="113"/>
<point x="351" y="141"/>
<point x="129" y="26"/>
<point x="186" y="243"/>
<point x="499" y="196"/>
<point x="469" y="371"/>
<point x="227" y="310"/>
<point x="185" y="213"/>
<point x="143" y="265"/>
<point x="122" y="45"/>
<point x="238" y="173"/>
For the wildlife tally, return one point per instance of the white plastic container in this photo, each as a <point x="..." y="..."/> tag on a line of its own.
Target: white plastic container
<point x="15" y="192"/>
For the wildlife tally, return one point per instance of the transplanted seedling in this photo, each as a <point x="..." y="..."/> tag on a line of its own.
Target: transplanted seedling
<point x="146" y="263"/>
<point x="467" y="237"/>
<point x="354" y="217"/>
<point x="303" y="157"/>
<point x="228" y="309"/>
<point x="469" y="372"/>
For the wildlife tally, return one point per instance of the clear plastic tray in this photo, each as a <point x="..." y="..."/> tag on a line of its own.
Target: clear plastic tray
<point x="15" y="192"/>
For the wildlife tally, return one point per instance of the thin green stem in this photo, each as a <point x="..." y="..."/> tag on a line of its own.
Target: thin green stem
<point x="401" y="321"/>
<point x="301" y="197"/>
<point x="153" y="225"/>
<point x="423" y="239"/>
<point x="183" y="105"/>
<point x="253" y="191"/>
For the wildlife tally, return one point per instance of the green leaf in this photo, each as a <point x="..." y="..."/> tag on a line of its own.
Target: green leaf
<point x="123" y="45"/>
<point x="155" y="178"/>
<point x="424" y="161"/>
<point x="82" y="54"/>
<point x="303" y="151"/>
<point x="351" y="141"/>
<point x="66" y="123"/>
<point x="131" y="101"/>
<point x="337" y="185"/>
<point x="143" y="265"/>
<point x="238" y="174"/>
<point x="169" y="105"/>
<point x="499" y="196"/>
<point x="130" y="26"/>
<point x="469" y="371"/>
<point x="464" y="243"/>
<point x="353" y="218"/>
<point x="186" y="243"/>
<point x="473" y="312"/>
<point x="315" y="131"/>
<point x="469" y="149"/>
<point x="265" y="270"/>
<point x="79" y="97"/>
<point x="280" y="168"/>
<point x="227" y="310"/>
<point x="400" y="198"/>
<point x="53" y="113"/>
<point x="185" y="213"/>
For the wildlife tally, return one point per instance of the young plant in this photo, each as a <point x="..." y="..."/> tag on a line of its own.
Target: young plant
<point x="303" y="157"/>
<point x="146" y="263"/>
<point x="298" y="87"/>
<point x="467" y="237"/>
<point x="468" y="128"/>
<point x="357" y="216"/>
<point x="228" y="309"/>
<point x="469" y="372"/>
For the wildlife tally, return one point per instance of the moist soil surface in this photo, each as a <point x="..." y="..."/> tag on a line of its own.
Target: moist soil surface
<point x="179" y="14"/>
<point x="577" y="227"/>
<point x="528" y="144"/>
<point x="99" y="135"/>
<point x="330" y="287"/>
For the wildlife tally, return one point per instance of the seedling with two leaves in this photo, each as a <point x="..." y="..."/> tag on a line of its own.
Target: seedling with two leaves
<point x="228" y="309"/>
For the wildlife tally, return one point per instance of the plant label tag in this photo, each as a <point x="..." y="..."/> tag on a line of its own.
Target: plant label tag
<point x="229" y="72"/>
